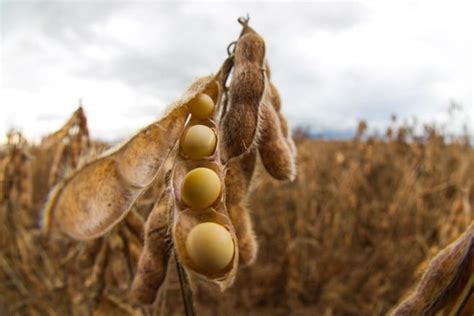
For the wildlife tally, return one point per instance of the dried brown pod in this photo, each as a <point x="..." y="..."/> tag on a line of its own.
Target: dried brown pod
<point x="238" y="178"/>
<point x="447" y="284"/>
<point x="16" y="184"/>
<point x="56" y="168"/>
<point x="77" y="119"/>
<point x="69" y="145"/>
<point x="276" y="154"/>
<point x="239" y="126"/>
<point x="273" y="97"/>
<point x="96" y="197"/>
<point x="247" y="241"/>
<point x="134" y="222"/>
<point x="155" y="254"/>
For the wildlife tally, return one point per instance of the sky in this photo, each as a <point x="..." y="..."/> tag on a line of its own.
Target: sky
<point x="333" y="62"/>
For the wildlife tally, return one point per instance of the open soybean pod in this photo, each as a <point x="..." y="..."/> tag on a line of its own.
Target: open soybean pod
<point x="96" y="197"/>
<point x="203" y="234"/>
<point x="220" y="270"/>
<point x="220" y="274"/>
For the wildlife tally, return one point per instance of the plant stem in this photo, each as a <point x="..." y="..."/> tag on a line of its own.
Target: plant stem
<point x="185" y="289"/>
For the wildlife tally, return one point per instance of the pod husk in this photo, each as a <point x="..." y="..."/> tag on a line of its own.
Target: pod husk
<point x="77" y="118"/>
<point x="275" y="153"/>
<point x="182" y="164"/>
<point x="185" y="218"/>
<point x="247" y="242"/>
<point x="239" y="128"/>
<point x="96" y="197"/>
<point x="183" y="222"/>
<point x="238" y="176"/>
<point x="153" y="262"/>
<point x="447" y="284"/>
<point x="273" y="98"/>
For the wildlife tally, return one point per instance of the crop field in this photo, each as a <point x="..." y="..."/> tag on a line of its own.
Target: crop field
<point x="218" y="208"/>
<point x="351" y="235"/>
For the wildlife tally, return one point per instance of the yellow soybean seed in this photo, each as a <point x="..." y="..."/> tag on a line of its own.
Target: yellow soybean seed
<point x="210" y="246"/>
<point x="201" y="107"/>
<point x="200" y="188"/>
<point x="199" y="141"/>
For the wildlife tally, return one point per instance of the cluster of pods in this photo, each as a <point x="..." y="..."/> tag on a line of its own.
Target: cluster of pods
<point x="206" y="147"/>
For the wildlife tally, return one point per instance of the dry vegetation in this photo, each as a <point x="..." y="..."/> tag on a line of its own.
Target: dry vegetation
<point x="348" y="237"/>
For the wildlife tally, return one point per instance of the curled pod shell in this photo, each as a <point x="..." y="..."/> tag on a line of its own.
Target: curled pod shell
<point x="143" y="155"/>
<point x="239" y="125"/>
<point x="96" y="197"/>
<point x="446" y="286"/>
<point x="275" y="153"/>
<point x="183" y="224"/>
<point x="154" y="257"/>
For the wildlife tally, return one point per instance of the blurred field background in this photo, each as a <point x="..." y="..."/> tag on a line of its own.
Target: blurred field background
<point x="349" y="237"/>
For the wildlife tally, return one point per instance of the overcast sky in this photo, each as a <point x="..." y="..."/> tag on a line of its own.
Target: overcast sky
<point x="334" y="62"/>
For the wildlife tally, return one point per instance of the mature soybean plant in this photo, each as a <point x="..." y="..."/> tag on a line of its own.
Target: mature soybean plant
<point x="206" y="149"/>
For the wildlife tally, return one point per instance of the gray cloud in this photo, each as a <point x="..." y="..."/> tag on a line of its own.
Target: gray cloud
<point x="156" y="49"/>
